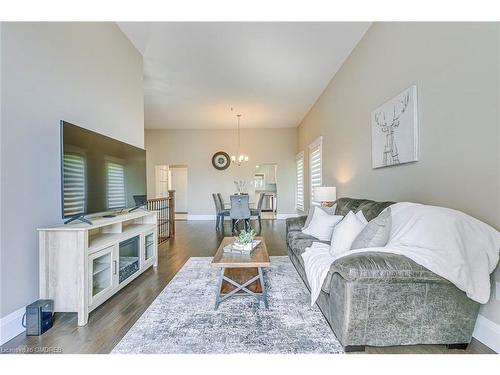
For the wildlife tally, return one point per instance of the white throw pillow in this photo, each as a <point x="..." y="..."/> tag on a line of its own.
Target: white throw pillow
<point x="345" y="232"/>
<point x="361" y="217"/>
<point x="328" y="210"/>
<point x="376" y="232"/>
<point x="321" y="225"/>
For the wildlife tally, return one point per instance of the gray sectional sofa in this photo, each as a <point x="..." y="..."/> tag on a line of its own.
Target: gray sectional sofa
<point x="381" y="299"/>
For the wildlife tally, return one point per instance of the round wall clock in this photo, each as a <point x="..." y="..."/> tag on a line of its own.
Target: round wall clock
<point x="221" y="160"/>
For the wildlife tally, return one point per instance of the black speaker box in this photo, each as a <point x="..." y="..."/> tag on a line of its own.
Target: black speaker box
<point x="39" y="317"/>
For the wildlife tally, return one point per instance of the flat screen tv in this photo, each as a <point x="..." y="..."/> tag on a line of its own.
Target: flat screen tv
<point x="99" y="173"/>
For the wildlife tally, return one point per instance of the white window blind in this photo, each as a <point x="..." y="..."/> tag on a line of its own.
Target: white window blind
<point x="74" y="184"/>
<point x="116" y="185"/>
<point x="315" y="165"/>
<point x="299" y="194"/>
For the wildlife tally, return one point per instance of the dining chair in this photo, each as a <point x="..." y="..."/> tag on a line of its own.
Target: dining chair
<point x="239" y="211"/>
<point x="220" y="212"/>
<point x="258" y="210"/>
<point x="222" y="204"/>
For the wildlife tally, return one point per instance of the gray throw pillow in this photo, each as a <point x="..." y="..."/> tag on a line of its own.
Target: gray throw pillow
<point x="376" y="232"/>
<point x="328" y="210"/>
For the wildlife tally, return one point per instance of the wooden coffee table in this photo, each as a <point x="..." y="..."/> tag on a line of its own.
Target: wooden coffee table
<point x="241" y="275"/>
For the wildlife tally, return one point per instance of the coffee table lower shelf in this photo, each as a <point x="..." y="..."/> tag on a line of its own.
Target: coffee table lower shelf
<point x="234" y="282"/>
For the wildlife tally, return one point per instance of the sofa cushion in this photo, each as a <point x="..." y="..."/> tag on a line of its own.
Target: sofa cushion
<point x="295" y="223"/>
<point x="371" y="209"/>
<point x="297" y="234"/>
<point x="298" y="241"/>
<point x="300" y="245"/>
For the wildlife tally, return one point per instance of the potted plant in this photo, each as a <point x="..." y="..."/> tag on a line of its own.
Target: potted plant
<point x="245" y="240"/>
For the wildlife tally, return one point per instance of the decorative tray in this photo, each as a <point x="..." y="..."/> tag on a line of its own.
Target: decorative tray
<point x="235" y="248"/>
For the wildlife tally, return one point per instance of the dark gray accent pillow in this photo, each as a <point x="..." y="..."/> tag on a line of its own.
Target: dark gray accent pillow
<point x="328" y="210"/>
<point x="376" y="232"/>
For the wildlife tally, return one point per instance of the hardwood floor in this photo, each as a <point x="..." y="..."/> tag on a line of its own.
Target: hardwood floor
<point x="109" y="322"/>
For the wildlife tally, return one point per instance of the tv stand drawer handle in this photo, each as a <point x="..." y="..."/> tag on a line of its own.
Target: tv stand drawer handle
<point x="114" y="267"/>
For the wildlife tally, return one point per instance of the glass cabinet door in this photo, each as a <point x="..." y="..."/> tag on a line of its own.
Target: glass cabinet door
<point x="149" y="246"/>
<point x="129" y="251"/>
<point x="101" y="265"/>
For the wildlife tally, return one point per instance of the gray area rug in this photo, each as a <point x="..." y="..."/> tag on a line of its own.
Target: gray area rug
<point x="182" y="319"/>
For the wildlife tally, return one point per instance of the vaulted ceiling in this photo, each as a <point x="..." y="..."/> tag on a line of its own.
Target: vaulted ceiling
<point x="271" y="73"/>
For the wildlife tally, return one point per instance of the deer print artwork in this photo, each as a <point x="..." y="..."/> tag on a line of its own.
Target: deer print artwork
<point x="394" y="130"/>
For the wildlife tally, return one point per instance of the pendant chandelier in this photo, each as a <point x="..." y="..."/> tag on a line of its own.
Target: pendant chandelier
<point x="240" y="158"/>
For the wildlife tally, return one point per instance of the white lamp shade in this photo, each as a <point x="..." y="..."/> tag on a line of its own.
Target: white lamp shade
<point x="325" y="193"/>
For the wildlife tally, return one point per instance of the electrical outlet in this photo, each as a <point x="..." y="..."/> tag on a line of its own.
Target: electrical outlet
<point x="497" y="290"/>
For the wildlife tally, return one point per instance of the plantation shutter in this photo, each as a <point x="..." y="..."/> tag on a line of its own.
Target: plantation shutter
<point x="315" y="164"/>
<point x="299" y="194"/>
<point x="116" y="185"/>
<point x="74" y="194"/>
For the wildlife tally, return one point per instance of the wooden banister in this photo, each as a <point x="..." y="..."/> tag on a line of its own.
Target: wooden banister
<point x="171" y="213"/>
<point x="165" y="208"/>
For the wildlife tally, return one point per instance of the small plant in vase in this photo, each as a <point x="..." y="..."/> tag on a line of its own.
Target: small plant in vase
<point x="245" y="240"/>
<point x="241" y="186"/>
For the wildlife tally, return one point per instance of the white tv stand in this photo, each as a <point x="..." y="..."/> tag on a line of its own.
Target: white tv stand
<point x="83" y="265"/>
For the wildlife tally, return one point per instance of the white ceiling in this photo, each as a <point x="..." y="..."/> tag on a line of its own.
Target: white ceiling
<point x="271" y="73"/>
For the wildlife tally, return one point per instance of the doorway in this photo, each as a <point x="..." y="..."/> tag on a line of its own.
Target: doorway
<point x="161" y="181"/>
<point x="265" y="181"/>
<point x="173" y="177"/>
<point x="179" y="182"/>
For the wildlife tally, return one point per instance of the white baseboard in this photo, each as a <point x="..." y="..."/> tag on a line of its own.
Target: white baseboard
<point x="212" y="217"/>
<point x="200" y="217"/>
<point x="285" y="216"/>
<point x="11" y="325"/>
<point x="487" y="332"/>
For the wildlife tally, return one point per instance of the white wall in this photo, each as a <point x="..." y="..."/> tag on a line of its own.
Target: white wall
<point x="179" y="181"/>
<point x="195" y="149"/>
<point x="86" y="73"/>
<point x="456" y="67"/>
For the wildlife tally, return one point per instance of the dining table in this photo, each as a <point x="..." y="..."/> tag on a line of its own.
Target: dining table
<point x="227" y="205"/>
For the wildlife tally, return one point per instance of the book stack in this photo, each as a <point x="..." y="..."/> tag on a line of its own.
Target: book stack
<point x="244" y="249"/>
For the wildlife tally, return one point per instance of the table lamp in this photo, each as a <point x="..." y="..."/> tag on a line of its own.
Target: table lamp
<point x="326" y="195"/>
